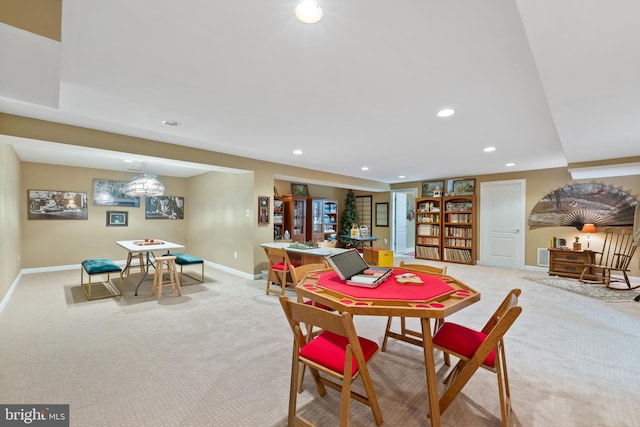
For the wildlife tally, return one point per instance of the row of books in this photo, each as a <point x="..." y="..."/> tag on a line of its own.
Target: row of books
<point x="428" y="252"/>
<point x="423" y="240"/>
<point x="428" y="230"/>
<point x="465" y="243"/>
<point x="458" y="206"/>
<point x="459" y="218"/>
<point x="428" y="217"/>
<point x="458" y="232"/>
<point x="458" y="255"/>
<point x="428" y="207"/>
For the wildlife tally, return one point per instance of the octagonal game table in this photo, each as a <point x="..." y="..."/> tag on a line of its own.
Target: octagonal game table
<point x="436" y="298"/>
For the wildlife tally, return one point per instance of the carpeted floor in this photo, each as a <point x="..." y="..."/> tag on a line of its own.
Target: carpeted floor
<point x="220" y="356"/>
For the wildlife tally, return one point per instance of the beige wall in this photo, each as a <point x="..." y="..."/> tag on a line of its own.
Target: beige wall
<point x="10" y="217"/>
<point x="541" y="182"/>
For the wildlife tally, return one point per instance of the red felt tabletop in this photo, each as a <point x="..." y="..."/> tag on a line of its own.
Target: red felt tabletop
<point x="432" y="287"/>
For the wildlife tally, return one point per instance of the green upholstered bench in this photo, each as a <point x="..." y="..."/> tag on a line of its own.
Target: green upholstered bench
<point x="185" y="259"/>
<point x="100" y="266"/>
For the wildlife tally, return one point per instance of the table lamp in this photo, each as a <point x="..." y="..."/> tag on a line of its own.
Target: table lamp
<point x="588" y="228"/>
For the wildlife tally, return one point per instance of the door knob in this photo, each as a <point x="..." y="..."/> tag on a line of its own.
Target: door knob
<point x="516" y="231"/>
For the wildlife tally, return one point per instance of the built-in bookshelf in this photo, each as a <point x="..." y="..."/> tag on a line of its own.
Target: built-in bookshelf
<point x="428" y="228"/>
<point x="295" y="217"/>
<point x="459" y="234"/>
<point x="323" y="220"/>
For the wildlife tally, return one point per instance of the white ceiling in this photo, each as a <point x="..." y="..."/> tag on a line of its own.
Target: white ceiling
<point x="546" y="82"/>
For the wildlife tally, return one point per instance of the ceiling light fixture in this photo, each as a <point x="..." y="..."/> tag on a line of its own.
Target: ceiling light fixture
<point x="446" y="112"/>
<point x="308" y="11"/>
<point x="489" y="149"/>
<point x="144" y="185"/>
<point x="171" y="123"/>
<point x="509" y="164"/>
<point x="401" y="176"/>
<point x="297" y="152"/>
<point x="364" y="168"/>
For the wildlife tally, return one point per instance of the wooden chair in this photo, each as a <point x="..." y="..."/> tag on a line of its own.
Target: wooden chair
<point x="616" y="254"/>
<point x="484" y="348"/>
<point x="408" y="335"/>
<point x="336" y="357"/>
<point x="280" y="268"/>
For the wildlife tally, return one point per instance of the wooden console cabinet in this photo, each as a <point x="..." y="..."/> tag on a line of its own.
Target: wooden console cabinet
<point x="569" y="263"/>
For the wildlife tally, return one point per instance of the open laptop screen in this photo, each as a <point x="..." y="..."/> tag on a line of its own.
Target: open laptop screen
<point x="348" y="263"/>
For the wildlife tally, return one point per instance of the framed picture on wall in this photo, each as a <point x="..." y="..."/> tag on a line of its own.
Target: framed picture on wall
<point x="164" y="207"/>
<point x="382" y="214"/>
<point x="53" y="204"/>
<point x="463" y="187"/>
<point x="263" y="210"/>
<point x="117" y="219"/>
<point x="432" y="188"/>
<point x="300" y="189"/>
<point x="111" y="193"/>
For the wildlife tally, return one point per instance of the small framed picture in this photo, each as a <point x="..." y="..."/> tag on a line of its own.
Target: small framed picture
<point x="300" y="189"/>
<point x="382" y="214"/>
<point x="263" y="210"/>
<point x="432" y="188"/>
<point x="464" y="187"/>
<point x="117" y="219"/>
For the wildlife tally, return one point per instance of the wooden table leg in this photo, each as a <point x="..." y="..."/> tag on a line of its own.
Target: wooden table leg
<point x="430" y="368"/>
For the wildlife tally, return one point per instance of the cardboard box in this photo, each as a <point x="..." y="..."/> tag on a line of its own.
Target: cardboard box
<point x="379" y="257"/>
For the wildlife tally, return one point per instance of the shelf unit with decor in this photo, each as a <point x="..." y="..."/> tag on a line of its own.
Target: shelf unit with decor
<point x="323" y="220"/>
<point x="459" y="234"/>
<point x="295" y="217"/>
<point x="278" y="218"/>
<point x="429" y="228"/>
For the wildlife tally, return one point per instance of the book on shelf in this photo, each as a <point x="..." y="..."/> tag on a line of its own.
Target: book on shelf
<point x="558" y="243"/>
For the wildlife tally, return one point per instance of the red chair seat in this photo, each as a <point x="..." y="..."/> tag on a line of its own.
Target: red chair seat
<point x="283" y="266"/>
<point x="463" y="341"/>
<point x="328" y="349"/>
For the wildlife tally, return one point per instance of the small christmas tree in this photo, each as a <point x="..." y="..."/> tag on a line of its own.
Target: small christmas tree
<point x="349" y="217"/>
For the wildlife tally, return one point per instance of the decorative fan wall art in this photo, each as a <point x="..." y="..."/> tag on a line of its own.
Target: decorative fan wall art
<point x="578" y="204"/>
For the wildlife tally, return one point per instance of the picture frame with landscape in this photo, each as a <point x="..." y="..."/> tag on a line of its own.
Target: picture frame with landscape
<point x="429" y="186"/>
<point x="464" y="187"/>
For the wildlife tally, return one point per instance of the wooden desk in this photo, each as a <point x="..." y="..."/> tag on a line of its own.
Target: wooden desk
<point x="440" y="296"/>
<point x="570" y="263"/>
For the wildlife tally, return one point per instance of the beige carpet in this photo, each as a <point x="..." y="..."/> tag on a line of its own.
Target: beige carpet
<point x="219" y="356"/>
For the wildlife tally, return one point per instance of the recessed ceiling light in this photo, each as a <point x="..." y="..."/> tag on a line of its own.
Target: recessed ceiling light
<point x="446" y="112"/>
<point x="364" y="168"/>
<point x="297" y="152"/>
<point x="308" y="11"/>
<point x="401" y="176"/>
<point x="128" y="161"/>
<point x="509" y="164"/>
<point x="489" y="149"/>
<point x="171" y="123"/>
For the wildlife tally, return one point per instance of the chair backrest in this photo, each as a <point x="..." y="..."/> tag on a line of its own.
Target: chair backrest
<point x="340" y="324"/>
<point x="298" y="273"/>
<point x="327" y="243"/>
<point x="424" y="268"/>
<point x="617" y="250"/>
<point x="276" y="256"/>
<point x="511" y="300"/>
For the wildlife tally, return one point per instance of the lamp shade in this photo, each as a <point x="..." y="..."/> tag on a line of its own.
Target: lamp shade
<point x="588" y="228"/>
<point x="144" y="185"/>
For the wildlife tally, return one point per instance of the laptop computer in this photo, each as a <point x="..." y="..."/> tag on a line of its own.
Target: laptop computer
<point x="351" y="267"/>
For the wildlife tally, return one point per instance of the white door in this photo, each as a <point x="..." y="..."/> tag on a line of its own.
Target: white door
<point x="502" y="222"/>
<point x="399" y="222"/>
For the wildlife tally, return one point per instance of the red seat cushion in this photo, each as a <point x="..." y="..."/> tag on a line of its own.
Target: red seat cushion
<point x="283" y="266"/>
<point x="319" y="305"/>
<point x="463" y="341"/>
<point x="328" y="350"/>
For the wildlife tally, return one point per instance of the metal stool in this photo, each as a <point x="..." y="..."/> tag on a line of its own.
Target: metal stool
<point x="158" y="278"/>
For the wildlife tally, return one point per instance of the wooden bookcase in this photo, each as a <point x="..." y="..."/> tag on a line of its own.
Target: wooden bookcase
<point x="322" y="220"/>
<point x="429" y="228"/>
<point x="459" y="234"/>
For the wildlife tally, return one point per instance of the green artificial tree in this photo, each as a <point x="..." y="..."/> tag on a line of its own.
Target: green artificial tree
<point x="349" y="217"/>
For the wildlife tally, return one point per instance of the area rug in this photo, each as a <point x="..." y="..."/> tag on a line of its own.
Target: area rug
<point x="596" y="291"/>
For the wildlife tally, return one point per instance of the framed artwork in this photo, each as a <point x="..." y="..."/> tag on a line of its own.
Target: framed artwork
<point x="263" y="210"/>
<point x="164" y="207"/>
<point x="52" y="204"/>
<point x="300" y="189"/>
<point x="382" y="214"/>
<point x="428" y="188"/>
<point x="464" y="187"/>
<point x="111" y="193"/>
<point x="117" y="219"/>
